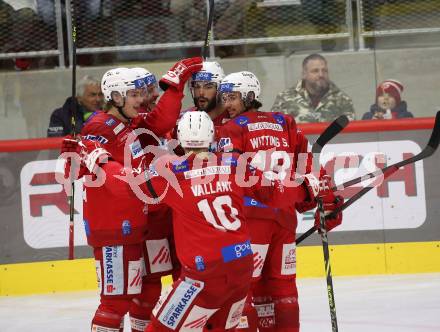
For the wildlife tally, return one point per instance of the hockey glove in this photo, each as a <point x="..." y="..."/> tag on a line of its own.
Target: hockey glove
<point x="315" y="188"/>
<point x="180" y="72"/>
<point x="330" y="203"/>
<point x="70" y="152"/>
<point x="87" y="155"/>
<point x="312" y="185"/>
<point x="69" y="144"/>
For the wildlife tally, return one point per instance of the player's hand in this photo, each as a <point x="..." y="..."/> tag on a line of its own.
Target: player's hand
<point x="180" y="72"/>
<point x="70" y="147"/>
<point x="315" y="188"/>
<point x="69" y="144"/>
<point x="330" y="204"/>
<point x="312" y="185"/>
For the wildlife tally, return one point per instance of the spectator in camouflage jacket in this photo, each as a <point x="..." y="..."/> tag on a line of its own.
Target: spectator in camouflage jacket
<point x="315" y="98"/>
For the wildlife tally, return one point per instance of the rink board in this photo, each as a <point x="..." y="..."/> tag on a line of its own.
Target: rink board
<point x="393" y="229"/>
<point x="346" y="260"/>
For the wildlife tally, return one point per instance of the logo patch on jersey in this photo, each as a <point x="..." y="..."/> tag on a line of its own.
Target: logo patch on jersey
<point x="86" y="227"/>
<point x="241" y="120"/>
<point x="234" y="314"/>
<point x="136" y="149"/>
<point x="288" y="266"/>
<point x="126" y="227"/>
<point x="159" y="256"/>
<point x="180" y="166"/>
<point x="236" y="251"/>
<point x="229" y="161"/>
<point x="279" y="118"/>
<point x="202" y="76"/>
<point x="224" y="141"/>
<point x="266" y="314"/>
<point x="243" y="323"/>
<point x="134" y="282"/>
<point x="264" y="126"/>
<point x="197" y="318"/>
<point x="260" y="253"/>
<point x="179" y="303"/>
<point x="211" y="170"/>
<point x="113" y="283"/>
<point x="110" y="122"/>
<point x="200" y="263"/>
<point x="249" y="201"/>
<point x="96" y="138"/>
<point x="118" y="128"/>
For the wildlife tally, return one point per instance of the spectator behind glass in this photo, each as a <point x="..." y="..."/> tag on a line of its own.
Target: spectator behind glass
<point x="389" y="104"/>
<point x="315" y="98"/>
<point x="89" y="99"/>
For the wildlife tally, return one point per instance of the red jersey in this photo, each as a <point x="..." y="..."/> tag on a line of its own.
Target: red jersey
<point x="114" y="134"/>
<point x="113" y="215"/>
<point x="208" y="220"/>
<point x="255" y="131"/>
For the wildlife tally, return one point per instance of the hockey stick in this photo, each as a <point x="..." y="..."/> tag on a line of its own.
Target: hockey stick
<point x="328" y="269"/>
<point x="73" y="123"/>
<point x="429" y="150"/>
<point x="205" y="50"/>
<point x="331" y="131"/>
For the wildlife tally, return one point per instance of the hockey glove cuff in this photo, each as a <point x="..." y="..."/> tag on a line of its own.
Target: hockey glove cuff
<point x="180" y="72"/>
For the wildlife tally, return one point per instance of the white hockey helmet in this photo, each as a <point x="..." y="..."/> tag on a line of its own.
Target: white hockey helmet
<point x="211" y="72"/>
<point x="120" y="80"/>
<point x="244" y="82"/>
<point x="195" y="130"/>
<point x="147" y="76"/>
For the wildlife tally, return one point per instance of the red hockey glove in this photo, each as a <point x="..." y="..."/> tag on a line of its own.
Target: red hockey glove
<point x="92" y="155"/>
<point x="69" y="144"/>
<point x="89" y="154"/>
<point x="330" y="203"/>
<point x="312" y="185"/>
<point x="180" y="72"/>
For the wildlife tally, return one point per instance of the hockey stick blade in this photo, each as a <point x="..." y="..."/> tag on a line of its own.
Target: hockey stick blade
<point x="205" y="50"/>
<point x="430" y="148"/>
<point x="331" y="131"/>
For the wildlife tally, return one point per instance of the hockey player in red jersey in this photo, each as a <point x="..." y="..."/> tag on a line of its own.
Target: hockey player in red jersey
<point x="275" y="295"/>
<point x="160" y="217"/>
<point x="211" y="235"/>
<point x="123" y="89"/>
<point x="116" y="227"/>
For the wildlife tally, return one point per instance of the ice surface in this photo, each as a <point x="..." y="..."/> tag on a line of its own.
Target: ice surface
<point x="404" y="303"/>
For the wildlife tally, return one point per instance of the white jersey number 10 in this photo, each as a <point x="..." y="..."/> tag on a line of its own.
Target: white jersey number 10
<point x="217" y="206"/>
